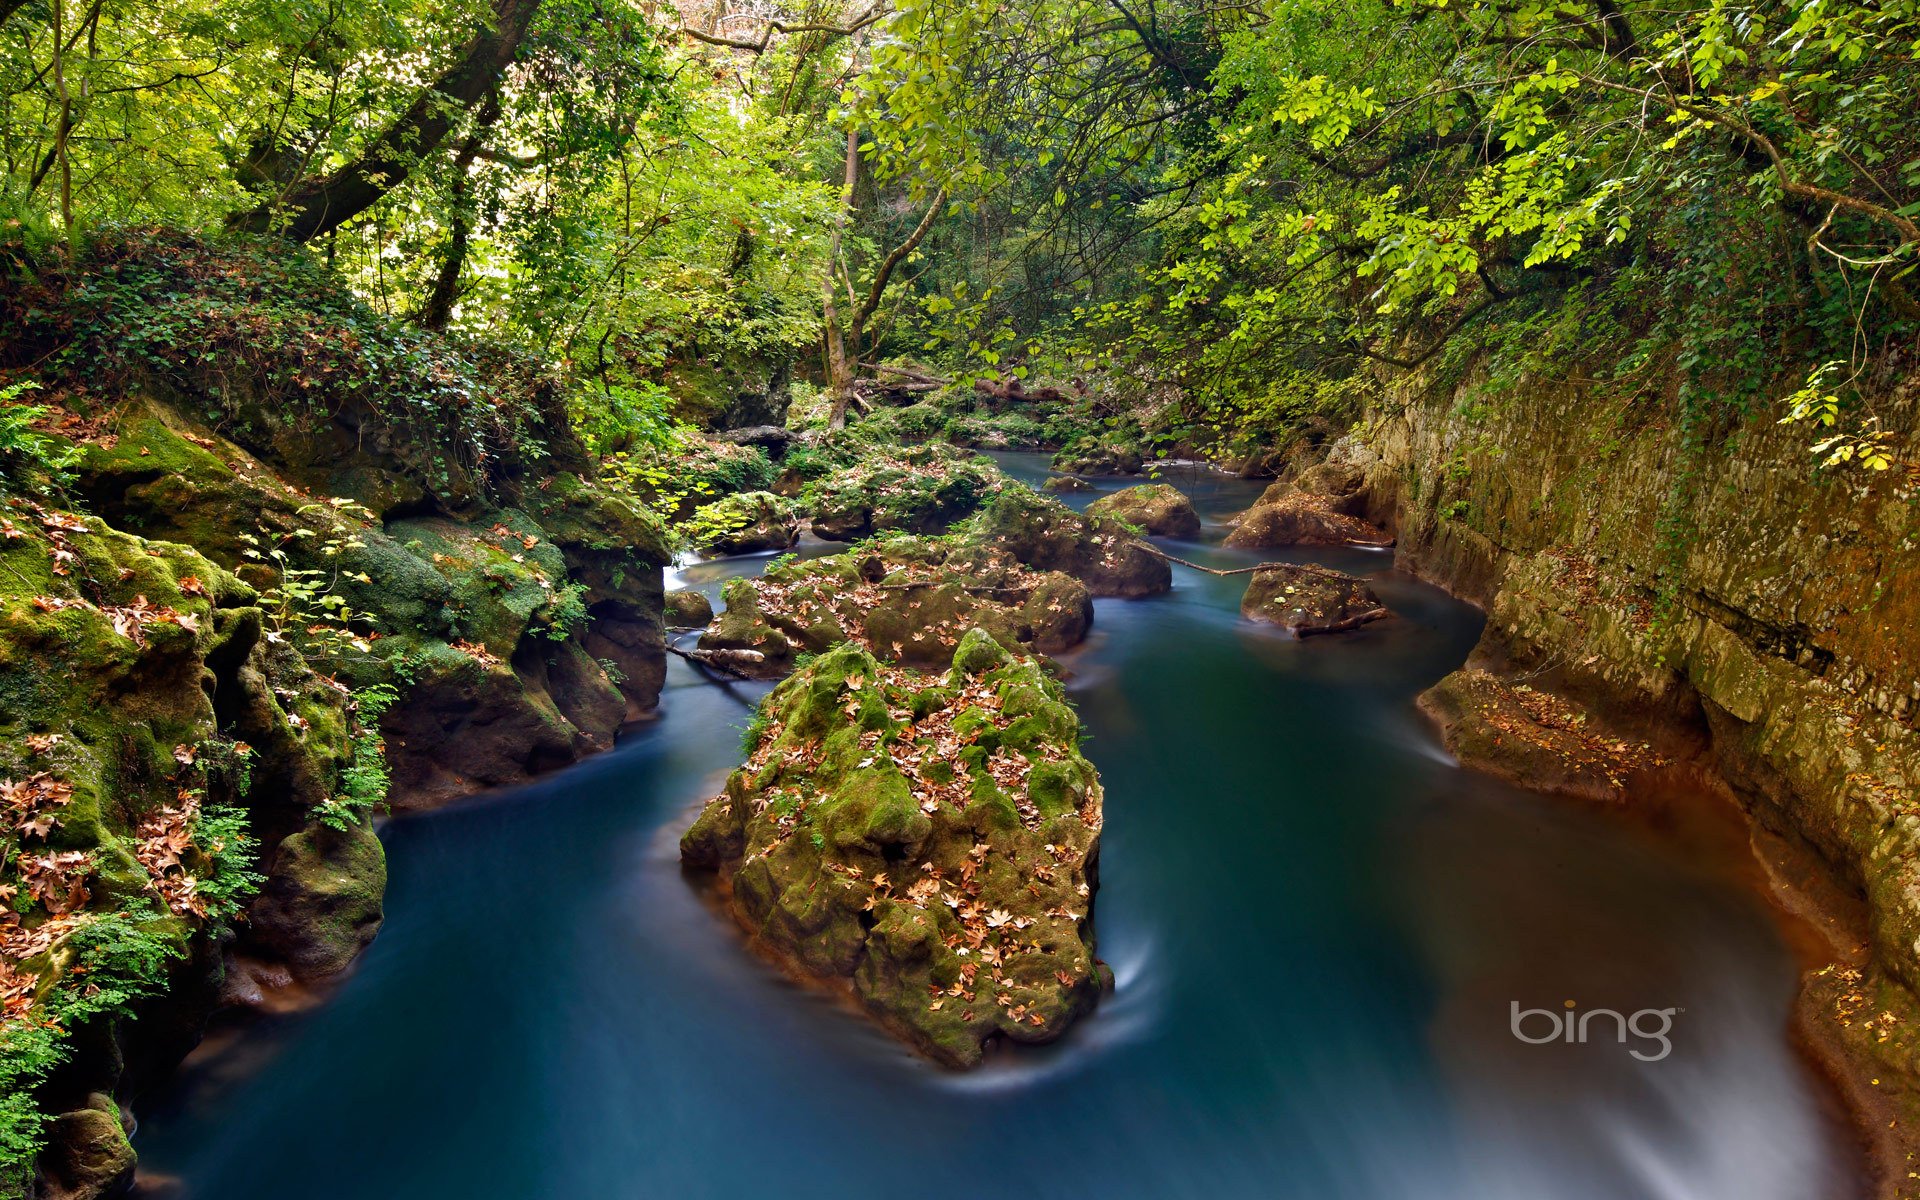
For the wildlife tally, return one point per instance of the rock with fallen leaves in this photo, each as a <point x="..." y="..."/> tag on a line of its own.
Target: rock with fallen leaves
<point x="686" y="608"/>
<point x="1303" y="519"/>
<point x="918" y="489"/>
<point x="1532" y="737"/>
<point x="1304" y="599"/>
<point x="1158" y="508"/>
<point x="925" y="843"/>
<point x="747" y="523"/>
<point x="904" y="599"/>
<point x="1043" y="534"/>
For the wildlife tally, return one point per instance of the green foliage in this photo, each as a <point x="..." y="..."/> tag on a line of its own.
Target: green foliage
<point x="111" y="961"/>
<point x="305" y="603"/>
<point x="365" y="779"/>
<point x="258" y="328"/>
<point x="565" y="612"/>
<point x="30" y="461"/>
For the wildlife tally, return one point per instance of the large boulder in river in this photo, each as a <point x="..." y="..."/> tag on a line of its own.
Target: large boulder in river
<point x="1046" y="535"/>
<point x="687" y="608"/>
<point x="922" y="489"/>
<point x="1303" y="519"/>
<point x="1160" y="509"/>
<point x="924" y="843"/>
<point x="1531" y="737"/>
<point x="1305" y="599"/>
<point x="908" y="600"/>
<point x="746" y="523"/>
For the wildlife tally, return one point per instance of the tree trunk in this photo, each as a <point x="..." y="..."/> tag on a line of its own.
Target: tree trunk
<point x="839" y="361"/>
<point x="438" y="308"/>
<point x="311" y="207"/>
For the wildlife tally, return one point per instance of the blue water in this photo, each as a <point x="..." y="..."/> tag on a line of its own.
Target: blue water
<point x="1317" y="923"/>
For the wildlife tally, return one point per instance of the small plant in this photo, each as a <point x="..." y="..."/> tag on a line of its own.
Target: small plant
<point x="305" y="601"/>
<point x="365" y="779"/>
<point x="1866" y="444"/>
<point x="30" y="460"/>
<point x="565" y="612"/>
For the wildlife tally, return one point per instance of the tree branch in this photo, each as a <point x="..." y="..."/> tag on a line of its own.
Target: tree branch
<point x="873" y="14"/>
<point x="312" y="207"/>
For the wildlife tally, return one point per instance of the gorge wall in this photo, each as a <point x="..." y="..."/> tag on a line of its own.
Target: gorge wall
<point x="1704" y="588"/>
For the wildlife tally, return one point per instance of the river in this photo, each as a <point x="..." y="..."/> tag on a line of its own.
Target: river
<point x="1319" y="926"/>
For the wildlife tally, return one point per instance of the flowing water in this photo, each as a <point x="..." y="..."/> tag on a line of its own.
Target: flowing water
<point x="1318" y="925"/>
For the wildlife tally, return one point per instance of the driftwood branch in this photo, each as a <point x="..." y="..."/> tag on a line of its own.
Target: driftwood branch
<point x="721" y="660"/>
<point x="1266" y="566"/>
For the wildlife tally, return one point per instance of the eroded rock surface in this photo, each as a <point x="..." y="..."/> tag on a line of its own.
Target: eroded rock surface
<point x="925" y="843"/>
<point x="1531" y="737"/>
<point x="1159" y="508"/>
<point x="1306" y="600"/>
<point x="1298" y="518"/>
<point x="909" y="600"/>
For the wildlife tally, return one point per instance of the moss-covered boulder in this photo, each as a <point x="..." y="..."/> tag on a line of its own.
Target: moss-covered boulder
<point x="1531" y="737"/>
<point x="323" y="900"/>
<point x="924" y="843"/>
<point x="922" y="489"/>
<point x="526" y="636"/>
<point x="1098" y="456"/>
<point x="687" y="608"/>
<point x="1305" y="600"/>
<point x="1158" y="508"/>
<point x="159" y="744"/>
<point x="1303" y="519"/>
<point x="747" y="523"/>
<point x="88" y="1153"/>
<point x="909" y="600"/>
<point x="1045" y="535"/>
<point x="1064" y="484"/>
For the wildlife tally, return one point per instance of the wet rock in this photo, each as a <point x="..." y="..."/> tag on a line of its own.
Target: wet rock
<point x="1303" y="519"/>
<point x="687" y="608"/>
<point x="1066" y="483"/>
<point x="908" y="600"/>
<point x="1161" y="509"/>
<point x="1530" y="737"/>
<point x="926" y="844"/>
<point x="1305" y="600"/>
<point x="747" y="523"/>
<point x="87" y="1153"/>
<point x="1046" y="535"/>
<point x="322" y="903"/>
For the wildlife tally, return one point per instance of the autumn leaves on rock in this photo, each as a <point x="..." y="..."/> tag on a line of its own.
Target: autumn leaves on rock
<point x="925" y="842"/>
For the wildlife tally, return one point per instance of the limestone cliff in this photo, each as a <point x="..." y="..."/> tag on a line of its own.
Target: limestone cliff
<point x="1703" y="586"/>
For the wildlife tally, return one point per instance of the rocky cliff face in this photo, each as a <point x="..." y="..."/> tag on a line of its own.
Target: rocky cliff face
<point x="296" y="561"/>
<point x="1706" y="589"/>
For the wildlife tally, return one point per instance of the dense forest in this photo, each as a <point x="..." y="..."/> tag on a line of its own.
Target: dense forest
<point x="363" y="363"/>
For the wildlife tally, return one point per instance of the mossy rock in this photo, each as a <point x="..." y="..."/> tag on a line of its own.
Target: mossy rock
<point x="922" y="490"/>
<point x="926" y="843"/>
<point x="1532" y="738"/>
<point x="323" y="901"/>
<point x="1096" y="456"/>
<point x="1157" y="508"/>
<point x="748" y="523"/>
<point x="1303" y="519"/>
<point x="687" y="608"/>
<point x="1305" y="600"/>
<point x="903" y="600"/>
<point x="1045" y="535"/>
